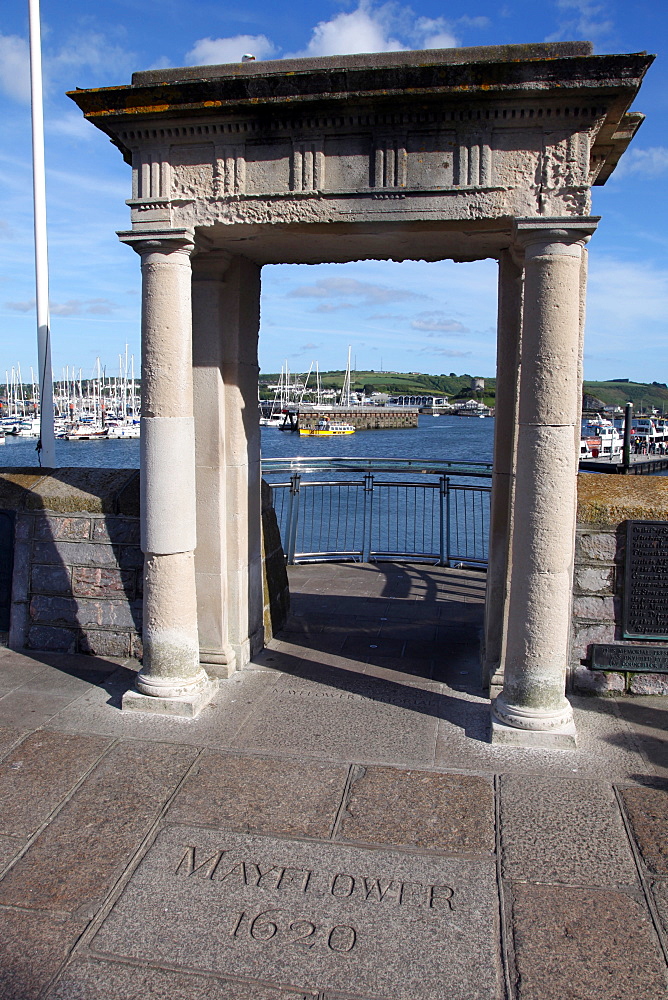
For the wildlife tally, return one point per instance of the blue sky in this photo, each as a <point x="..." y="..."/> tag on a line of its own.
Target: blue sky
<point x="412" y="316"/>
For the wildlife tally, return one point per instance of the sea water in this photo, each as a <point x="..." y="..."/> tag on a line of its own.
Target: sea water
<point x="467" y="439"/>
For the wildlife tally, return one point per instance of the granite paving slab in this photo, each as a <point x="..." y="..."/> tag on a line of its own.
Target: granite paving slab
<point x="584" y="944"/>
<point x="94" y="979"/>
<point x="15" y="670"/>
<point x="606" y="747"/>
<point x="563" y="830"/>
<point x="347" y="717"/>
<point x="73" y="863"/>
<point x="453" y="813"/>
<point x="30" y="707"/>
<point x="647" y="810"/>
<point x="33" y="946"/>
<point x="648" y="719"/>
<point x="8" y="738"/>
<point x="659" y="889"/>
<point x="9" y="848"/>
<point x="260" y="795"/>
<point x="99" y="711"/>
<point x="311" y="916"/>
<point x="38" y="773"/>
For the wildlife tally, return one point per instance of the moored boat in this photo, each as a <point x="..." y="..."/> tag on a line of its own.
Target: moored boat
<point x="327" y="428"/>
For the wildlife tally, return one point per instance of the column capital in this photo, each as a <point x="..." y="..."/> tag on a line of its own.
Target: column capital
<point x="210" y="265"/>
<point x="563" y="236"/>
<point x="159" y="241"/>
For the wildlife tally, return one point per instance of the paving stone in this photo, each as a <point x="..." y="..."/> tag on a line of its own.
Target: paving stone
<point x="9" y="848"/>
<point x="37" y="775"/>
<point x="99" y="711"/>
<point x="606" y="748"/>
<point x="93" y="979"/>
<point x="30" y="709"/>
<point x="584" y="944"/>
<point x="256" y="795"/>
<point x="8" y="737"/>
<point x="565" y="830"/>
<point x="648" y="719"/>
<point x="74" y="862"/>
<point x="659" y="888"/>
<point x="311" y="916"/>
<point x="33" y="947"/>
<point x="345" y="716"/>
<point x="448" y="812"/>
<point x="647" y="810"/>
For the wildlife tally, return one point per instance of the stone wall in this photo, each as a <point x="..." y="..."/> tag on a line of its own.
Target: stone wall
<point x="77" y="575"/>
<point x="605" y="504"/>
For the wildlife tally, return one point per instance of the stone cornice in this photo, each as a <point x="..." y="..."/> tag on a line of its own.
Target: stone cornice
<point x="424" y="77"/>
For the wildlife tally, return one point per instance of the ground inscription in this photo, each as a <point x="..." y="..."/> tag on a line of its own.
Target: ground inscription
<point x="311" y="915"/>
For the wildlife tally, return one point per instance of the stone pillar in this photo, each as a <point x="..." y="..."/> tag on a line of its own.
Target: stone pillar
<point x="209" y="324"/>
<point x="532" y="709"/>
<point x="241" y="311"/>
<point x="505" y="439"/>
<point x="171" y="680"/>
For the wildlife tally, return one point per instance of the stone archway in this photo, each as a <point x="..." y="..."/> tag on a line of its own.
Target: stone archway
<point x="461" y="154"/>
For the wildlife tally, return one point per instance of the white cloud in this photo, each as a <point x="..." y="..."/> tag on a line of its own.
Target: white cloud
<point x="582" y="20"/>
<point x="15" y="67"/>
<point x="650" y="162"/>
<point x="367" y="292"/>
<point x="363" y="30"/>
<point x="73" y="307"/>
<point x="215" y="51"/>
<point x="388" y="27"/>
<point x="435" y="33"/>
<point x="73" y="125"/>
<point x="445" y="352"/>
<point x="21" y="307"/>
<point x="437" y="322"/>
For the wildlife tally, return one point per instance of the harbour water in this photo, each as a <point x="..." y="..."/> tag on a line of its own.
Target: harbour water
<point x="453" y="438"/>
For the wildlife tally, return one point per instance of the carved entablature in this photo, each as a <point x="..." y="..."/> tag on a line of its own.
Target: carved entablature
<point x="444" y="135"/>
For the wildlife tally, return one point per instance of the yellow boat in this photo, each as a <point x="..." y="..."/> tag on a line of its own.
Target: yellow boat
<point x="326" y="428"/>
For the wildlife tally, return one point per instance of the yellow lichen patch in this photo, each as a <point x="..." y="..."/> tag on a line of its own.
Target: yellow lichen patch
<point x="608" y="499"/>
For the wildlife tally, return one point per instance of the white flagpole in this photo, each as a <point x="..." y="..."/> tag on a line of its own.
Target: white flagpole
<point x="46" y="448"/>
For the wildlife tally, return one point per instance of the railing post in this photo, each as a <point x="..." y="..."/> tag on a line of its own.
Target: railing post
<point x="368" y="508"/>
<point x="444" y="484"/>
<point x="293" y="517"/>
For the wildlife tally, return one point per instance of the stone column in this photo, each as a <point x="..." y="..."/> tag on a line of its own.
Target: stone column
<point x="171" y="680"/>
<point x="209" y="325"/>
<point x="241" y="311"/>
<point x="505" y="440"/>
<point x="532" y="709"/>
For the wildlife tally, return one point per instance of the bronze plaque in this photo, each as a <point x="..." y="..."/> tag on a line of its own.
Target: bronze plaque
<point x="638" y="659"/>
<point x="645" y="603"/>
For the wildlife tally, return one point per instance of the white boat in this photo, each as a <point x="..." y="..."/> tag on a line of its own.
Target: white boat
<point x="127" y="431"/>
<point x="602" y="437"/>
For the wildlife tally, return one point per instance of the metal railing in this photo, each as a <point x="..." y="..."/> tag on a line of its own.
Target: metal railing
<point x="372" y="519"/>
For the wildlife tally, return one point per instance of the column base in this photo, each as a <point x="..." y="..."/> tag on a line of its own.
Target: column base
<point x="563" y="738"/>
<point x="187" y="706"/>
<point x="220" y="663"/>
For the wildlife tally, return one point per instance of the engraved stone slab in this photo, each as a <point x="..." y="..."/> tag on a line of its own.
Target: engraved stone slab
<point x="317" y="917"/>
<point x="640" y="659"/>
<point x="645" y="605"/>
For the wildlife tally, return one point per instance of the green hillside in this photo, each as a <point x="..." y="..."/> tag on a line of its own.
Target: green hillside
<point x="613" y="392"/>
